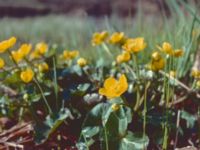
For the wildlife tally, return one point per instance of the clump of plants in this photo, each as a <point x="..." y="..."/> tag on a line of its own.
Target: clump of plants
<point x="128" y="104"/>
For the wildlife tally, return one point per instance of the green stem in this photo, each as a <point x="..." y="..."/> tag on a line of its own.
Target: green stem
<point x="33" y="113"/>
<point x="137" y="98"/>
<point x="43" y="96"/>
<point x="55" y="83"/>
<point x="85" y="141"/>
<point x="105" y="47"/>
<point x="137" y="87"/>
<point x="39" y="87"/>
<point x="145" y="108"/>
<point x="165" y="139"/>
<point x="106" y="138"/>
<point x="130" y="70"/>
<point x="136" y="64"/>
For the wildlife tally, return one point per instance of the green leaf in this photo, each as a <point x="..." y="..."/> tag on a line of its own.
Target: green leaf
<point x="90" y="131"/>
<point x="190" y="119"/>
<point x="81" y="89"/>
<point x="98" y="116"/>
<point x="133" y="141"/>
<point x="35" y="97"/>
<point x="13" y="78"/>
<point x="52" y="122"/>
<point x="102" y="117"/>
<point x="118" y="122"/>
<point x="94" y="122"/>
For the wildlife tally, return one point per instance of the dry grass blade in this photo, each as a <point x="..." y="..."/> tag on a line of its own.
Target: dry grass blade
<point x="17" y="137"/>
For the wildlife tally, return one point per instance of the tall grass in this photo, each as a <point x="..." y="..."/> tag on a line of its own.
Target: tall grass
<point x="75" y="33"/>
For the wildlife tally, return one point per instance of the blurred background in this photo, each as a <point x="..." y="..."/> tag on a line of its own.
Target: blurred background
<point x="70" y="23"/>
<point x="95" y="8"/>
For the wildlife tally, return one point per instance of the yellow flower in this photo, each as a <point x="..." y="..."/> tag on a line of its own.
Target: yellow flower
<point x="134" y="45"/>
<point x="74" y="54"/>
<point x="41" y="48"/>
<point x="116" y="38"/>
<point x="157" y="62"/>
<point x="115" y="107"/>
<point x="113" y="88"/>
<point x="178" y="53"/>
<point x="35" y="55"/>
<point x="25" y="49"/>
<point x="82" y="62"/>
<point x="43" y="67"/>
<point x="196" y="73"/>
<point x="172" y="73"/>
<point x="4" y="45"/>
<point x="156" y="56"/>
<point x="68" y="55"/>
<point x="2" y="63"/>
<point x="124" y="57"/>
<point x="157" y="65"/>
<point x="17" y="56"/>
<point x="166" y="48"/>
<point x="99" y="37"/>
<point x="27" y="75"/>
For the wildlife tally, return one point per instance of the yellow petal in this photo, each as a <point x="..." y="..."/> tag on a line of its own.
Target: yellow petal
<point x="110" y="82"/>
<point x="27" y="75"/>
<point x="2" y="63"/>
<point x="102" y="91"/>
<point x="25" y="49"/>
<point x="178" y="53"/>
<point x="123" y="80"/>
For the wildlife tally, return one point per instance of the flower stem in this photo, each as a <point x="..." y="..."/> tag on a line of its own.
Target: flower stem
<point x="136" y="64"/>
<point x="43" y="96"/>
<point x="105" y="47"/>
<point x="106" y="138"/>
<point x="165" y="139"/>
<point x="85" y="141"/>
<point x="145" y="108"/>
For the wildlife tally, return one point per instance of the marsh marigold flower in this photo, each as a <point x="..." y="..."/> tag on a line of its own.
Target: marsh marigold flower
<point x="178" y="53"/>
<point x="4" y="45"/>
<point x="41" y="48"/>
<point x="156" y="56"/>
<point x="117" y="38"/>
<point x="134" y="45"/>
<point x="35" y="55"/>
<point x="43" y="67"/>
<point x="17" y="56"/>
<point x="68" y="55"/>
<point x="166" y="48"/>
<point x="99" y="37"/>
<point x="157" y="62"/>
<point x="27" y="75"/>
<point x="196" y="73"/>
<point x="113" y="88"/>
<point x="124" y="57"/>
<point x="2" y="63"/>
<point x="25" y="49"/>
<point x="82" y="62"/>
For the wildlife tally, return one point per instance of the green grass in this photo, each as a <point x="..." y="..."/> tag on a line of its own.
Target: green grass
<point x="75" y="33"/>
